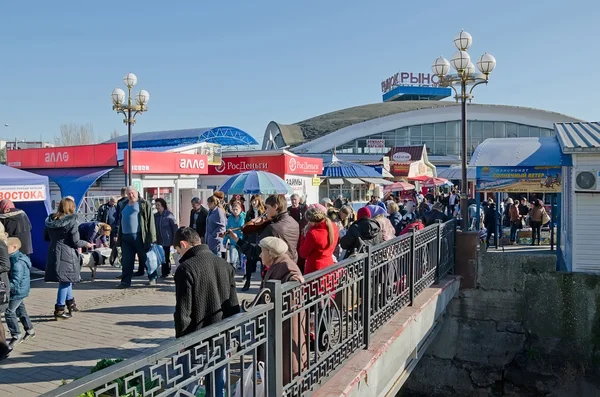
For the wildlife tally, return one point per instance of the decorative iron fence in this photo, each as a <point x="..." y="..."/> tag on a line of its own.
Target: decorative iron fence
<point x="297" y="334"/>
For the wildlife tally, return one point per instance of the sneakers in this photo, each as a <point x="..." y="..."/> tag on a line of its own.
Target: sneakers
<point x="29" y="335"/>
<point x="14" y="341"/>
<point x="152" y="282"/>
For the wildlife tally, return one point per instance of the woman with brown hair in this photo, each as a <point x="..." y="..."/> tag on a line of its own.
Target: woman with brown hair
<point x="257" y="209"/>
<point x="62" y="263"/>
<point x="319" y="240"/>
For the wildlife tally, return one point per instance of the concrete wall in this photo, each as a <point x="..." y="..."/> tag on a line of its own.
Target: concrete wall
<point x="524" y="329"/>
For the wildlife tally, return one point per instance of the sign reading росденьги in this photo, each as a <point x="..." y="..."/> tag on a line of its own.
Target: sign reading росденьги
<point x="519" y="179"/>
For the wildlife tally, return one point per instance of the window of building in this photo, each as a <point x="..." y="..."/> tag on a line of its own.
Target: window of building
<point x="523" y="131"/>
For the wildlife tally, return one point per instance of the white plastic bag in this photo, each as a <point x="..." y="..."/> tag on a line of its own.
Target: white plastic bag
<point x="249" y="382"/>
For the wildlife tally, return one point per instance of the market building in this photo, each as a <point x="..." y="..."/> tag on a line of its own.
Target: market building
<point x="412" y="113"/>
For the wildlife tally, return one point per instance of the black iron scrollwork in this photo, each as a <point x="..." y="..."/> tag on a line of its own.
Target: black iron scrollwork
<point x="263" y="297"/>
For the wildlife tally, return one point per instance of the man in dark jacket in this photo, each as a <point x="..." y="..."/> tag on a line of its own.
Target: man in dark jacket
<point x="17" y="224"/>
<point x="107" y="213"/>
<point x="204" y="290"/>
<point x="137" y="233"/>
<point x="198" y="217"/>
<point x="363" y="232"/>
<point x="436" y="214"/>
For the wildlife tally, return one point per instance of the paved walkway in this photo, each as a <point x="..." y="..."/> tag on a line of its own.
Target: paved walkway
<point x="112" y="324"/>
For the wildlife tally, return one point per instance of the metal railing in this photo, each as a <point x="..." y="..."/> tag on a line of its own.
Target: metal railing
<point x="300" y="333"/>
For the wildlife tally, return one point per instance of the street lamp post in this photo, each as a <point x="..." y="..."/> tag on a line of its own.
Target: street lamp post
<point x="467" y="79"/>
<point x="129" y="110"/>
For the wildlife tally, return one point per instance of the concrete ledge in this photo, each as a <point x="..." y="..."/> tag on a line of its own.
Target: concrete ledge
<point x="395" y="349"/>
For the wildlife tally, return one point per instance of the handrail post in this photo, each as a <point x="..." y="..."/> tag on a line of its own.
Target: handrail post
<point x="366" y="298"/>
<point x="275" y="341"/>
<point x="439" y="251"/>
<point x="411" y="268"/>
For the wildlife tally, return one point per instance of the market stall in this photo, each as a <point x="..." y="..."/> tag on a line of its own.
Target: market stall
<point x="298" y="172"/>
<point x="30" y="193"/>
<point x="533" y="171"/>
<point x="350" y="180"/>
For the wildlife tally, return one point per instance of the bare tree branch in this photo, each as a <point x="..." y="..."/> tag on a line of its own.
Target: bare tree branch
<point x="114" y="134"/>
<point x="75" y="134"/>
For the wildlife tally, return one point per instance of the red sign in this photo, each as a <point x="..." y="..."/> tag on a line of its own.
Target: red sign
<point x="104" y="155"/>
<point x="278" y="165"/>
<point x="236" y="165"/>
<point x="303" y="165"/>
<point x="166" y="163"/>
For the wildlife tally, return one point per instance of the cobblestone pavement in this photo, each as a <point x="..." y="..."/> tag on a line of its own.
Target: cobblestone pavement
<point x="112" y="324"/>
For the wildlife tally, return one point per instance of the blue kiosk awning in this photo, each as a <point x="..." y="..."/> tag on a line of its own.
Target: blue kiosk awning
<point x="74" y="181"/>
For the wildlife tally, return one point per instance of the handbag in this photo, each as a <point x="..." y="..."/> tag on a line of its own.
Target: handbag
<point x="248" y="385"/>
<point x="545" y="217"/>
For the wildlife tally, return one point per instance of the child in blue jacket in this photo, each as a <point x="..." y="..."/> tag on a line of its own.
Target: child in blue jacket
<point x="19" y="290"/>
<point x="235" y="220"/>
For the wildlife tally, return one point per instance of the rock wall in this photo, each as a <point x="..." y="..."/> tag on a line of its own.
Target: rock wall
<point x="524" y="330"/>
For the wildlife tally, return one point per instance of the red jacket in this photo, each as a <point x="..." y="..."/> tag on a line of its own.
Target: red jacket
<point x="315" y="248"/>
<point x="417" y="225"/>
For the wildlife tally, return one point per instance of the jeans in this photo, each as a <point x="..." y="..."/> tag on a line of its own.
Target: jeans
<point x="166" y="267"/>
<point x="65" y="293"/>
<point x="513" y="230"/>
<point x="536" y="229"/>
<point x="131" y="244"/>
<point x="15" y="311"/>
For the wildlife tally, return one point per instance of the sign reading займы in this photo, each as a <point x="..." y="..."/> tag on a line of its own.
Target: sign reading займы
<point x="519" y="179"/>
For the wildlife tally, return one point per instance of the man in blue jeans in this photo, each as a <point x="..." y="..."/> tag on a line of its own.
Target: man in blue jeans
<point x="137" y="233"/>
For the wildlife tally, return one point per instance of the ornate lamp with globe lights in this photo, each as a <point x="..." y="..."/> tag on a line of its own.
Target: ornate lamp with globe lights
<point x="129" y="110"/>
<point x="467" y="78"/>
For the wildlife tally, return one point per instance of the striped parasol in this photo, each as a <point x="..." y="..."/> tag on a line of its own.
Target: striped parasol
<point x="256" y="182"/>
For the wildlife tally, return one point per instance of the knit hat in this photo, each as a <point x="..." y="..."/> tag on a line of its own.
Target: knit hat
<point x="6" y="204"/>
<point x="220" y="195"/>
<point x="509" y="201"/>
<point x="363" y="212"/>
<point x="320" y="207"/>
<point x="375" y="210"/>
<point x="274" y="246"/>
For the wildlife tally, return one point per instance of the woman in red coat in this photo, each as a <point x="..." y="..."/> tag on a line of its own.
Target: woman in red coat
<point x="319" y="240"/>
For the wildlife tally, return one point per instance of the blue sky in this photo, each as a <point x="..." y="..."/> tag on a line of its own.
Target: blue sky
<point x="245" y="63"/>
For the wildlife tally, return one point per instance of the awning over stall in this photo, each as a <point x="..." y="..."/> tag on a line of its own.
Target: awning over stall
<point x="519" y="152"/>
<point x="74" y="181"/>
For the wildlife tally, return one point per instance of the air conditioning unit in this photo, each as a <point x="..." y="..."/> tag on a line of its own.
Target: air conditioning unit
<point x="586" y="180"/>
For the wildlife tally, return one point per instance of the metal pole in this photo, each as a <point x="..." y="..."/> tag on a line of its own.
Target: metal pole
<point x="130" y="145"/>
<point x="464" y="197"/>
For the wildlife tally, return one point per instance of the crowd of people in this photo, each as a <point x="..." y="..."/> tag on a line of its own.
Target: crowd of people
<point x="289" y="241"/>
<point x="512" y="213"/>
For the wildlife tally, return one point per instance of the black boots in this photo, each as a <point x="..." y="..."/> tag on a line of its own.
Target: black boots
<point x="72" y="306"/>
<point x="60" y="314"/>
<point x="246" y="286"/>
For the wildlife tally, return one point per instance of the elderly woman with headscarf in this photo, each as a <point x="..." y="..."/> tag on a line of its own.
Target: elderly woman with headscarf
<point x="319" y="239"/>
<point x="16" y="224"/>
<point x="379" y="215"/>
<point x="281" y="267"/>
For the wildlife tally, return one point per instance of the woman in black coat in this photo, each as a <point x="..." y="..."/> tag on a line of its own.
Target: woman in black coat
<point x="16" y="224"/>
<point x="5" y="293"/>
<point x="63" y="263"/>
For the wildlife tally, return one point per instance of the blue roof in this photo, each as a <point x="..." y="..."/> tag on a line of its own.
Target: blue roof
<point x="578" y="137"/>
<point x="519" y="152"/>
<point x="345" y="169"/>
<point x="224" y="136"/>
